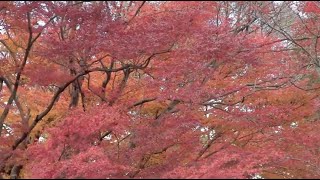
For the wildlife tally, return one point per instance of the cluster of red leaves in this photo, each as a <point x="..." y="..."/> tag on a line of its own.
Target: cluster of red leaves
<point x="220" y="80"/>
<point x="72" y="147"/>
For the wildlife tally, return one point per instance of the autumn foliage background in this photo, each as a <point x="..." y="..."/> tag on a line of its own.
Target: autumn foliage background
<point x="137" y="89"/>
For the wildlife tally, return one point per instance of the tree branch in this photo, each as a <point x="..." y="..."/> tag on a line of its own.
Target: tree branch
<point x="142" y="102"/>
<point x="137" y="12"/>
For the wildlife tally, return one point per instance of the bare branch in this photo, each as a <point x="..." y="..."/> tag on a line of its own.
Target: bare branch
<point x="137" y="12"/>
<point x="142" y="102"/>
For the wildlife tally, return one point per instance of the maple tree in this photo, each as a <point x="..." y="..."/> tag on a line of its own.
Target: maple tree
<point x="159" y="89"/>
